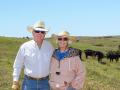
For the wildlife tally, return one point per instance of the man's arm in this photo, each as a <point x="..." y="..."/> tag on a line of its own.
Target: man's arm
<point x="18" y="64"/>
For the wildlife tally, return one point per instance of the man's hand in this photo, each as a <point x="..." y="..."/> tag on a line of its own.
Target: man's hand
<point x="15" y="85"/>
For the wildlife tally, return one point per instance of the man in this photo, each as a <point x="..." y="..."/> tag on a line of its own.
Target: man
<point x="34" y="56"/>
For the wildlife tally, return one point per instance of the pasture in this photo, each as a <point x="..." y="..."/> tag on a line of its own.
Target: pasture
<point x="99" y="76"/>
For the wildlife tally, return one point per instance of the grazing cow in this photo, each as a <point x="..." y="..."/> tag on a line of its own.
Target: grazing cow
<point x="99" y="55"/>
<point x="113" y="55"/>
<point x="80" y="53"/>
<point x="89" y="52"/>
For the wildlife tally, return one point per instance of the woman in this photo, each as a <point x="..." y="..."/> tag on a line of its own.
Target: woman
<point x="67" y="71"/>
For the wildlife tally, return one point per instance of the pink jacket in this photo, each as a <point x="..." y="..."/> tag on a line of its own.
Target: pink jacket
<point x="72" y="72"/>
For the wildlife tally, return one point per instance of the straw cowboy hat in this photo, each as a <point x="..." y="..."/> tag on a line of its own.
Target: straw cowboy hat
<point x="67" y="34"/>
<point x="64" y="33"/>
<point x="40" y="26"/>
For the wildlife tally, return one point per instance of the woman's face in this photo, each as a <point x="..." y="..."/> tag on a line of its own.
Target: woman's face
<point x="62" y="41"/>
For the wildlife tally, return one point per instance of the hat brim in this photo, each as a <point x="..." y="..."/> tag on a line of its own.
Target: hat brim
<point x="71" y="38"/>
<point x="30" y="29"/>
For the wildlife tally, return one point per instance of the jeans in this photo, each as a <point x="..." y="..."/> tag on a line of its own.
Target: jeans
<point x="70" y="88"/>
<point x="30" y="84"/>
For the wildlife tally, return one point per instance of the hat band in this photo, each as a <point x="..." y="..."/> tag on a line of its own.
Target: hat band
<point x="40" y="29"/>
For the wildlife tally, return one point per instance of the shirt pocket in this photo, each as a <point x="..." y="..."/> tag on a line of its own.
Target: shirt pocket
<point x="29" y="56"/>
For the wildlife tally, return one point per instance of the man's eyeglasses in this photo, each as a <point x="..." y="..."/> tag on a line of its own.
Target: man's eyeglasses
<point x="64" y="39"/>
<point x="37" y="31"/>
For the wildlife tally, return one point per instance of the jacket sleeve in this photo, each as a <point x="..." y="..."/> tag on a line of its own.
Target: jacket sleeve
<point x="80" y="73"/>
<point x="18" y="64"/>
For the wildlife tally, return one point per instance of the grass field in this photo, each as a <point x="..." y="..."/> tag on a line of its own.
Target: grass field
<point x="99" y="76"/>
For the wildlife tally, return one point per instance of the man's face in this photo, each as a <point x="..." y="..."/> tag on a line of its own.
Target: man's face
<point x="38" y="35"/>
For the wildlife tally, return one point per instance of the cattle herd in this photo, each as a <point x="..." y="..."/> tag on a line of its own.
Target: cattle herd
<point x="110" y="55"/>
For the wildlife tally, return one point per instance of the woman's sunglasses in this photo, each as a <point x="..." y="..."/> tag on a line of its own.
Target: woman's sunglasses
<point x="37" y="31"/>
<point x="63" y="39"/>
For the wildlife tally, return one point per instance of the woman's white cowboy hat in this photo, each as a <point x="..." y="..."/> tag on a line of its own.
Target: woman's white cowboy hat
<point x="40" y="26"/>
<point x="67" y="34"/>
<point x="63" y="33"/>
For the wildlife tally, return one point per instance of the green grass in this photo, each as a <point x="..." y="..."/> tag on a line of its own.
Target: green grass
<point x="102" y="77"/>
<point x="99" y="76"/>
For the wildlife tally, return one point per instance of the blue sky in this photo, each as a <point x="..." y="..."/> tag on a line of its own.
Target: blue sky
<point x="79" y="17"/>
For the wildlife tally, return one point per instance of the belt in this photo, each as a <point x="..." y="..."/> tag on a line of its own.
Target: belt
<point x="33" y="78"/>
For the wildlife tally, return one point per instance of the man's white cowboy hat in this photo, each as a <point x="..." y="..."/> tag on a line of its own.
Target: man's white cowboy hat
<point x="40" y="26"/>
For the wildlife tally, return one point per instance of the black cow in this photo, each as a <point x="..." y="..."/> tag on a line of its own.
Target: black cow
<point x="89" y="52"/>
<point x="113" y="55"/>
<point x="80" y="53"/>
<point x="99" y="55"/>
